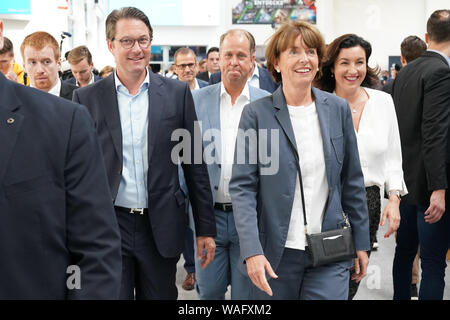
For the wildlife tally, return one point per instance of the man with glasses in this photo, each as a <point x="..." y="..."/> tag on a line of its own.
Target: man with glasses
<point x="187" y="68"/>
<point x="137" y="112"/>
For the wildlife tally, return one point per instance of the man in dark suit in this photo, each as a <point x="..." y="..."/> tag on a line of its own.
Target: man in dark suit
<point x="186" y="67"/>
<point x="422" y="99"/>
<point x="212" y="64"/>
<point x="81" y="65"/>
<point x="59" y="237"/>
<point x="41" y="60"/>
<point x="140" y="117"/>
<point x="411" y="48"/>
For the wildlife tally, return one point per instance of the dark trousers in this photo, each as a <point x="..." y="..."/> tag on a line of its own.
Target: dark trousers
<point x="374" y="208"/>
<point x="433" y="240"/>
<point x="146" y="275"/>
<point x="297" y="280"/>
<point x="188" y="252"/>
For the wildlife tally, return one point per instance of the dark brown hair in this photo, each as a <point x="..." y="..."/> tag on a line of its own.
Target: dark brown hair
<point x="285" y="37"/>
<point x="438" y="26"/>
<point x="327" y="82"/>
<point x="7" y="46"/>
<point x="412" y="47"/>
<point x="125" y="13"/>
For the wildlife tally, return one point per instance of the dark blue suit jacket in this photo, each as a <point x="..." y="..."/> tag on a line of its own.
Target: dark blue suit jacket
<point x="55" y="206"/>
<point x="265" y="80"/>
<point x="170" y="108"/>
<point x="74" y="81"/>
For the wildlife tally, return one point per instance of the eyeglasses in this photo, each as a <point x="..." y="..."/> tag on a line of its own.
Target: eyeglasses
<point x="128" y="43"/>
<point x="183" y="66"/>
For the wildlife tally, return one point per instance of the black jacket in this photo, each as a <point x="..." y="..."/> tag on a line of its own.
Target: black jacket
<point x="421" y="94"/>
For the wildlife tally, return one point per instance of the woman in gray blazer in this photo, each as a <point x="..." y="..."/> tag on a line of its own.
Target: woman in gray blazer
<point x="267" y="204"/>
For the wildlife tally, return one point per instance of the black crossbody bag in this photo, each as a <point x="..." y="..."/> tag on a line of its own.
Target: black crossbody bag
<point x="329" y="246"/>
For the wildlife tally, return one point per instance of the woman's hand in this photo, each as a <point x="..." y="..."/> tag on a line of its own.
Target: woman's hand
<point x="256" y="269"/>
<point x="392" y="213"/>
<point x="361" y="264"/>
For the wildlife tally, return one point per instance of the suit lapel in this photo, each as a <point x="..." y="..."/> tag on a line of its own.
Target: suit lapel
<point x="213" y="109"/>
<point x="282" y="115"/>
<point x="112" y="115"/>
<point x="323" y="112"/>
<point x="155" y="110"/>
<point x="10" y="123"/>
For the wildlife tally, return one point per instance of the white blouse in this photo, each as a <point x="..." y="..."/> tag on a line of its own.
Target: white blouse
<point x="379" y="146"/>
<point x="306" y="126"/>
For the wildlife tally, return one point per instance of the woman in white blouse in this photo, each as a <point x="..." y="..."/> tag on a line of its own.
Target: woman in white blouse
<point x="346" y="73"/>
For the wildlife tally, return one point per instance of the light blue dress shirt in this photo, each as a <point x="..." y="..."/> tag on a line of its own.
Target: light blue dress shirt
<point x="133" y="112"/>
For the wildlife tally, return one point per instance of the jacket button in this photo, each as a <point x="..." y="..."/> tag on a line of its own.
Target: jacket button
<point x="216" y="187"/>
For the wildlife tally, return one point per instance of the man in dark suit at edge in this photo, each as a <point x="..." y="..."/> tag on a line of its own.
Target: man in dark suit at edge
<point x="136" y="112"/>
<point x="422" y="100"/>
<point x="57" y="223"/>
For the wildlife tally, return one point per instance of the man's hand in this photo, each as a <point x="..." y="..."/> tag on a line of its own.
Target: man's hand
<point x="256" y="269"/>
<point x="11" y="76"/>
<point x="361" y="264"/>
<point x="392" y="213"/>
<point x="437" y="206"/>
<point x="205" y="244"/>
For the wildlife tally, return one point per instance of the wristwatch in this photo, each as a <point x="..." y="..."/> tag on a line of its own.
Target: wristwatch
<point x="394" y="193"/>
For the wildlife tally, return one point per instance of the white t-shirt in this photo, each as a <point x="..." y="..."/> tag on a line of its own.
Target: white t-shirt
<point x="306" y="126"/>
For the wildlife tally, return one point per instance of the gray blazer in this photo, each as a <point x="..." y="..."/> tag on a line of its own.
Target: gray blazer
<point x="207" y="107"/>
<point x="262" y="204"/>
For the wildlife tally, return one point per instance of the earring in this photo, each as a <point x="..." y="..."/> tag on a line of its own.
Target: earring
<point x="277" y="70"/>
<point x="332" y="75"/>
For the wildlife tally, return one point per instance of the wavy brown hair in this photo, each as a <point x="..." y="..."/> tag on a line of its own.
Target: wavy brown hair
<point x="326" y="81"/>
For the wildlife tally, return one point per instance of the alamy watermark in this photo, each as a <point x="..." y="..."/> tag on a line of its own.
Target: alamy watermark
<point x="253" y="147"/>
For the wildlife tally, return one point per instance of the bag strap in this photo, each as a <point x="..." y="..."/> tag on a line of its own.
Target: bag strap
<point x="297" y="163"/>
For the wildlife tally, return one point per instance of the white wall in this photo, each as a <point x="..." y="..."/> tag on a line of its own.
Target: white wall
<point x="45" y="16"/>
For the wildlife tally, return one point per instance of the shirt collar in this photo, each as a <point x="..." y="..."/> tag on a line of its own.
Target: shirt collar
<point x="245" y="92"/>
<point x="120" y="87"/>
<point x="197" y="86"/>
<point x="90" y="82"/>
<point x="255" y="72"/>
<point x="56" y="89"/>
<point x="442" y="54"/>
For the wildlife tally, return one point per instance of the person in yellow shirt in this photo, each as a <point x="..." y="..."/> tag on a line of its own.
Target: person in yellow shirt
<point x="8" y="67"/>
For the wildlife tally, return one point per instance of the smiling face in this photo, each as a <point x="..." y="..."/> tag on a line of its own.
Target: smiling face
<point x="42" y="67"/>
<point x="130" y="62"/>
<point x="298" y="64"/>
<point x="350" y="68"/>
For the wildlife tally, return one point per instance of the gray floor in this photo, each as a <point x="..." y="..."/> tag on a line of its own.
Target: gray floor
<point x="377" y="285"/>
